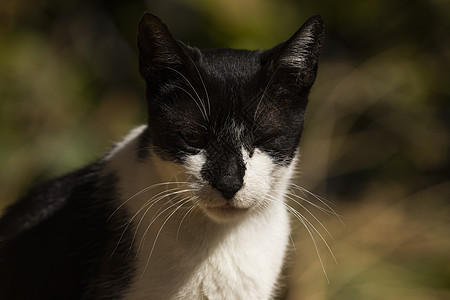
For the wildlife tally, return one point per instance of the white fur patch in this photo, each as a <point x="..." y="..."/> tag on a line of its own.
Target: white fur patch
<point x="125" y="141"/>
<point x="182" y="253"/>
<point x="261" y="179"/>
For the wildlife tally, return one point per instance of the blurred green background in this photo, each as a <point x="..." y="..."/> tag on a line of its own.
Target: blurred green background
<point x="376" y="144"/>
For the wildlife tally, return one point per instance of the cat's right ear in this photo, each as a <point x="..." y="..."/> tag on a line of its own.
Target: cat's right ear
<point x="158" y="49"/>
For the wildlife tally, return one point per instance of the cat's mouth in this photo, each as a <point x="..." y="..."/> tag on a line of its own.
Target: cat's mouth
<point x="226" y="212"/>
<point x="229" y="208"/>
<point x="219" y="209"/>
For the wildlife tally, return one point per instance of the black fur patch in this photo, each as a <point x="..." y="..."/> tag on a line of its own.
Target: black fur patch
<point x="57" y="242"/>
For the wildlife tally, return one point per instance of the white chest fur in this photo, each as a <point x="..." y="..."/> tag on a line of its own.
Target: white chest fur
<point x="183" y="254"/>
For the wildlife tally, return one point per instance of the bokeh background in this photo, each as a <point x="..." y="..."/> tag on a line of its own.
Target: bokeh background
<point x="375" y="148"/>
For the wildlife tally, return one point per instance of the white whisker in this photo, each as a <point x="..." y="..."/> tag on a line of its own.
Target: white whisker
<point x="140" y="192"/>
<point x="318" y="233"/>
<point x="293" y="244"/>
<point x="321" y="199"/>
<point x="256" y="114"/>
<point x="153" y="200"/>
<point x="185" y="200"/>
<point x="157" y="213"/>
<point x="185" y="215"/>
<point x="203" y="109"/>
<point x="156" y="198"/>
<point x="310" y="213"/>
<point x="155" y="218"/>
<point x="312" y="230"/>
<point x="203" y="83"/>
<point x="200" y="107"/>
<point x="302" y="219"/>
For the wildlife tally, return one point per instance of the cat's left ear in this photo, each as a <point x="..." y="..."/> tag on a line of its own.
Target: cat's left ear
<point x="299" y="55"/>
<point x="158" y="49"/>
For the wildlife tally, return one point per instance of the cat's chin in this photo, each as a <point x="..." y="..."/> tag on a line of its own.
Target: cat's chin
<point x="225" y="213"/>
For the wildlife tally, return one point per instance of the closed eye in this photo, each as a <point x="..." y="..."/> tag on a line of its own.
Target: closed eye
<point x="193" y="138"/>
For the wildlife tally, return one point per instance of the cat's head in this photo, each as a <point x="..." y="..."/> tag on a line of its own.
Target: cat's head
<point x="232" y="118"/>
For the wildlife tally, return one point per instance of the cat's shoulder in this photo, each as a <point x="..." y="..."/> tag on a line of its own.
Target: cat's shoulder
<point x="86" y="185"/>
<point x="44" y="201"/>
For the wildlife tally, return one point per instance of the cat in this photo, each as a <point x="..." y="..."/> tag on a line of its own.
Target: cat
<point x="190" y="205"/>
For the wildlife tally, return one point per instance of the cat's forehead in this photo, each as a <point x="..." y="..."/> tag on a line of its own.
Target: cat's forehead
<point x="231" y="77"/>
<point x="231" y="86"/>
<point x="229" y="64"/>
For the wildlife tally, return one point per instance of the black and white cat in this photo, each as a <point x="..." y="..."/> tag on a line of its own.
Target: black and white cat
<point x="189" y="206"/>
